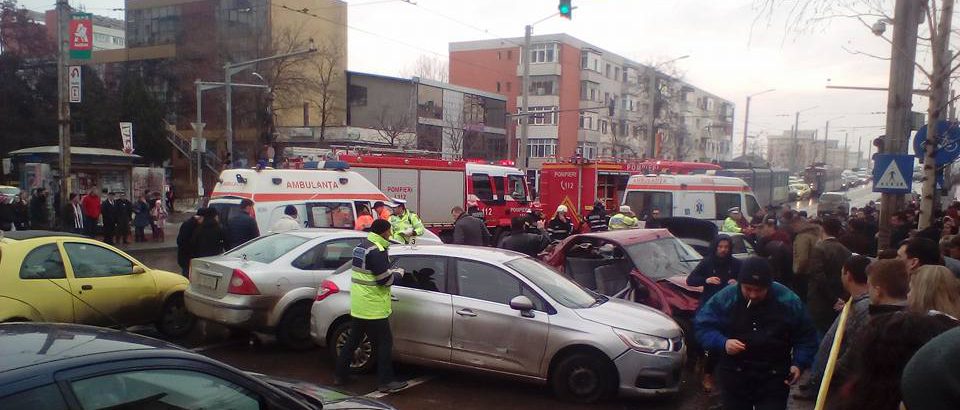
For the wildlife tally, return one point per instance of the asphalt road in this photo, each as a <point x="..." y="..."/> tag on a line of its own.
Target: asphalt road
<point x="430" y="388"/>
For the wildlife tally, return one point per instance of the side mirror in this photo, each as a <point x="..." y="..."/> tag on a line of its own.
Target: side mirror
<point x="523" y="304"/>
<point x="138" y="270"/>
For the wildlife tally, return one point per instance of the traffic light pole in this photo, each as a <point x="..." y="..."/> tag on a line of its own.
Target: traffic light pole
<point x="899" y="101"/>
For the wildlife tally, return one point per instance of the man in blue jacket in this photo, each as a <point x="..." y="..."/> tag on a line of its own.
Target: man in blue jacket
<point x="762" y="335"/>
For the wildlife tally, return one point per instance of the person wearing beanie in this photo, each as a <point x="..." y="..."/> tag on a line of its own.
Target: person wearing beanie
<point x="762" y="336"/>
<point x="287" y="222"/>
<point x="560" y="227"/>
<point x="931" y="379"/>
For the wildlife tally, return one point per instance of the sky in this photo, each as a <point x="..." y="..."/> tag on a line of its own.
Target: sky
<point x="734" y="50"/>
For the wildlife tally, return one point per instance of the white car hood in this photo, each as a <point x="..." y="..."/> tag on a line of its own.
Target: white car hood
<point x="632" y="316"/>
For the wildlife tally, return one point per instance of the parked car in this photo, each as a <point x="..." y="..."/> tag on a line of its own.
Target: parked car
<point x="831" y="202"/>
<point x="700" y="234"/>
<point x="60" y="277"/>
<point x="647" y="266"/>
<point x="267" y="284"/>
<point x="60" y="366"/>
<point x="502" y="312"/>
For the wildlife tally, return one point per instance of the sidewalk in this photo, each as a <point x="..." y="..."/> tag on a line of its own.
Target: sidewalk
<point x="170" y="230"/>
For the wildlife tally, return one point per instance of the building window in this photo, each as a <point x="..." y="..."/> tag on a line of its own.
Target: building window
<point x="607" y="72"/>
<point x="499" y="56"/>
<point x="540" y="147"/>
<point x="429" y="102"/>
<point x="498" y="86"/>
<point x="593" y="94"/>
<point x="357" y="95"/>
<point x="584" y="60"/>
<point x="624" y="75"/>
<point x="603" y="127"/>
<point x="606" y="98"/>
<point x="616" y="72"/>
<point x="474" y="111"/>
<point x="588" y="150"/>
<point x="509" y="55"/>
<point x="581" y="121"/>
<point x="549" y="118"/>
<point x="543" y="53"/>
<point x="542" y="86"/>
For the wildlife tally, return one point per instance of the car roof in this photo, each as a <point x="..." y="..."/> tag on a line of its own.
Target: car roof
<point x="630" y="236"/>
<point x="313" y="233"/>
<point x="30" y="344"/>
<point x="24" y="235"/>
<point x="469" y="252"/>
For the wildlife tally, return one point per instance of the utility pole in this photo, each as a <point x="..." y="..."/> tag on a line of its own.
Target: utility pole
<point x="796" y="129"/>
<point x="525" y="104"/>
<point x="846" y="149"/>
<point x="907" y="15"/>
<point x="826" y="134"/>
<point x="63" y="113"/>
<point x="939" y="89"/>
<point x="654" y="92"/>
<point x="860" y="151"/>
<point x="746" y="119"/>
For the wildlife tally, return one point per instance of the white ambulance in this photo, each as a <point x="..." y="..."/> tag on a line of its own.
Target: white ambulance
<point x="324" y="198"/>
<point x="696" y="196"/>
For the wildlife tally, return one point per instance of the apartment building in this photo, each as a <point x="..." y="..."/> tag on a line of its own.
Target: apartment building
<point x="596" y="103"/>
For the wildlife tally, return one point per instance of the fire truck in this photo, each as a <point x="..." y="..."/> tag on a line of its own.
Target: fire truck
<point x="433" y="186"/>
<point x="579" y="183"/>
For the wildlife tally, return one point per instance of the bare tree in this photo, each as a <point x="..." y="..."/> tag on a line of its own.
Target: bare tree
<point x="393" y="128"/>
<point x="453" y="136"/>
<point x="328" y="90"/>
<point x="429" y="67"/>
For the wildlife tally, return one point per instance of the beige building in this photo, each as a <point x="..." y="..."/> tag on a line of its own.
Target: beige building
<point x="784" y="151"/>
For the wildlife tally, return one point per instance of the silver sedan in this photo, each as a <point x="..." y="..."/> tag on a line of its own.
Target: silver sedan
<point x="504" y="313"/>
<point x="267" y="284"/>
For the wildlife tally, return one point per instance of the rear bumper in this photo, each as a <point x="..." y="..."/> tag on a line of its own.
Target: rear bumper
<point x="645" y="375"/>
<point x="237" y="315"/>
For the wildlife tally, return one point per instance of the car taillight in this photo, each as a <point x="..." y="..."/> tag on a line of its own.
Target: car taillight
<point x="327" y="288"/>
<point x="240" y="284"/>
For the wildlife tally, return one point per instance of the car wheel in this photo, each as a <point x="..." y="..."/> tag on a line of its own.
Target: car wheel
<point x="294" y="329"/>
<point x="175" y="320"/>
<point x="583" y="378"/>
<point x="364" y="357"/>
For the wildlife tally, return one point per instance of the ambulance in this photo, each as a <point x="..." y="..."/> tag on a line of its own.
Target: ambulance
<point x="697" y="196"/>
<point x="330" y="197"/>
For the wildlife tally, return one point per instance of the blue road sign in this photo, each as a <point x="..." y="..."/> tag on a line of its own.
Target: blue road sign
<point x="949" y="149"/>
<point x="893" y="174"/>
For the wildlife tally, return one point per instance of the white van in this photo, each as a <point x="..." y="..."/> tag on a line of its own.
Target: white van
<point x="324" y="198"/>
<point x="696" y="196"/>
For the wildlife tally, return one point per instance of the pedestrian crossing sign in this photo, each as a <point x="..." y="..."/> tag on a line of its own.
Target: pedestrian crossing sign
<point x="893" y="174"/>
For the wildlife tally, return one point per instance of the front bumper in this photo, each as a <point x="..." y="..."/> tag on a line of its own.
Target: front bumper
<point x="242" y="313"/>
<point x="645" y="375"/>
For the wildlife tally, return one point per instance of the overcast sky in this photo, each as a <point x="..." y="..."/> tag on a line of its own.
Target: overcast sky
<point x="733" y="52"/>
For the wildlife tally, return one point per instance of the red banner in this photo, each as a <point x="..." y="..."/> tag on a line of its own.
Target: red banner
<point x="81" y="35"/>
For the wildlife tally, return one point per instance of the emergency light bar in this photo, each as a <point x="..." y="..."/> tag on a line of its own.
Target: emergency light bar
<point x="328" y="165"/>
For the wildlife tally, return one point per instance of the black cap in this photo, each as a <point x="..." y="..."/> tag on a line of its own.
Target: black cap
<point x="756" y="271"/>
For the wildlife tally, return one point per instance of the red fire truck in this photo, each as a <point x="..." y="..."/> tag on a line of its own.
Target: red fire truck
<point x="433" y="186"/>
<point x="579" y="183"/>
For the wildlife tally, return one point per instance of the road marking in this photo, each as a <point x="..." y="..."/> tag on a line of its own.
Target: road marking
<point x="376" y="394"/>
<point x="217" y="345"/>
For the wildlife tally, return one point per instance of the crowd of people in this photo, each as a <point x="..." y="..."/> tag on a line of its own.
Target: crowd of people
<point x="760" y="319"/>
<point x="101" y="214"/>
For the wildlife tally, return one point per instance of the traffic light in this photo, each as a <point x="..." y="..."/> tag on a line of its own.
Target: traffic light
<point x="566" y="10"/>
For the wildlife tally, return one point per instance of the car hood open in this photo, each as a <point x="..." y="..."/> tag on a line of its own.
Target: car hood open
<point x="631" y="316"/>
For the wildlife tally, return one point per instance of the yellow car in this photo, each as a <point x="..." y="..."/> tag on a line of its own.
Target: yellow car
<point x="59" y="277"/>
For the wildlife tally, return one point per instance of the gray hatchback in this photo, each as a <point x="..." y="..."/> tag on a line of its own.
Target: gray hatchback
<point x="502" y="312"/>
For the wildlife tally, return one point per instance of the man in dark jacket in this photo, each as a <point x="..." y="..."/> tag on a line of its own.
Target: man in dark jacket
<point x="826" y="265"/>
<point x="123" y="212"/>
<point x="208" y="238"/>
<point x="184" y="237"/>
<point x="762" y="335"/>
<point x="560" y="226"/>
<point x="520" y="240"/>
<point x="109" y="211"/>
<point x="242" y="227"/>
<point x="714" y="272"/>
<point x="598" y="218"/>
<point x="468" y="230"/>
<point x="39" y="216"/>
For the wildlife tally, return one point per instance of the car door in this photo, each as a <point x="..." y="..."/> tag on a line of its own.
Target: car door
<point x="320" y="261"/>
<point x="487" y="333"/>
<point x="109" y="290"/>
<point x="422" y="320"/>
<point x="42" y="283"/>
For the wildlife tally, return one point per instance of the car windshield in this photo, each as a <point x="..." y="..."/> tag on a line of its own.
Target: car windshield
<point x="267" y="249"/>
<point x="555" y="285"/>
<point x="830" y="198"/>
<point x="662" y="258"/>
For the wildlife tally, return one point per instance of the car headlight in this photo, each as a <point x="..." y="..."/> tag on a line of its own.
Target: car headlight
<point x="643" y="342"/>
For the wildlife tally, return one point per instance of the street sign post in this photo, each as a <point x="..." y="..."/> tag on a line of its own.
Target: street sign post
<point x="81" y="36"/>
<point x="76" y="80"/>
<point x="949" y="146"/>
<point x="893" y="173"/>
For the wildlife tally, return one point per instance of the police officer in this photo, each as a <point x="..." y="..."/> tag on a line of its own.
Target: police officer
<point x="732" y="223"/>
<point x="598" y="218"/>
<point x="762" y="335"/>
<point x="624" y="219"/>
<point x="406" y="224"/>
<point x="370" y="306"/>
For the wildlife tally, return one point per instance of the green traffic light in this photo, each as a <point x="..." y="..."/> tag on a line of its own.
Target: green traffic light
<point x="564" y="9"/>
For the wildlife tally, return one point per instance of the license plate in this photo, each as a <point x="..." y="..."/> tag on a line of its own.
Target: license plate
<point x="207" y="281"/>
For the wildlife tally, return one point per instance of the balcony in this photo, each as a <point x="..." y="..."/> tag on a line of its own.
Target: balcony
<point x="541" y="69"/>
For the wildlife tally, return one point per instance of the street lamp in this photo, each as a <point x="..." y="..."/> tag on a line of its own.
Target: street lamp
<point x="796" y="130"/>
<point x="826" y="133"/>
<point x="746" y="117"/>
